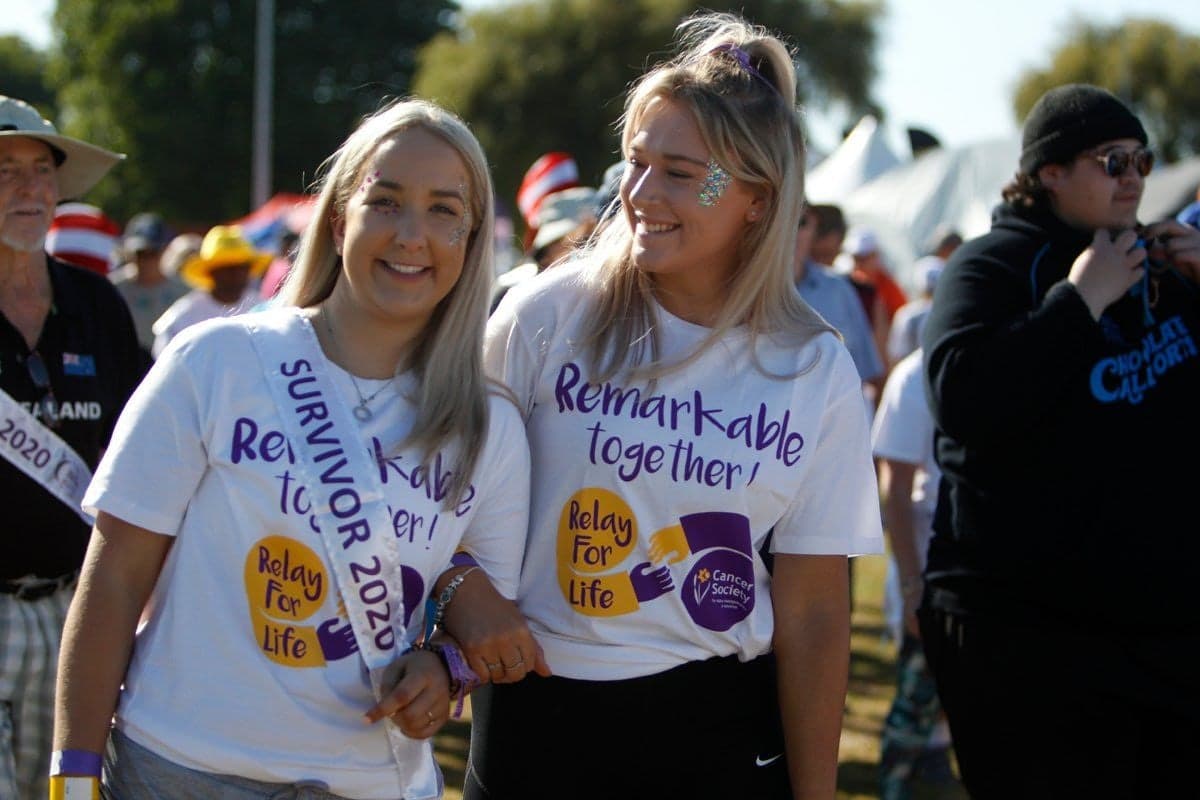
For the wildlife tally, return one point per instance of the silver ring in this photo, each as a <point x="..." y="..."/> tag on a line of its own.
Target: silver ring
<point x="519" y="662"/>
<point x="430" y="715"/>
<point x="492" y="666"/>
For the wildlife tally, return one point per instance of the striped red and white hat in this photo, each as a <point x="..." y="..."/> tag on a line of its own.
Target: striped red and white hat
<point x="83" y="235"/>
<point x="551" y="173"/>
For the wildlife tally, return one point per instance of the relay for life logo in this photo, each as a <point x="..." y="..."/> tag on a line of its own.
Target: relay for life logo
<point x="598" y="535"/>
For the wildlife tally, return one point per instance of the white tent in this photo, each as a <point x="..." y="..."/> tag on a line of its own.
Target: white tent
<point x="862" y="155"/>
<point x="956" y="187"/>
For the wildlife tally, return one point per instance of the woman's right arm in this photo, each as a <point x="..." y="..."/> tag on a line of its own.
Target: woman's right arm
<point x="121" y="567"/>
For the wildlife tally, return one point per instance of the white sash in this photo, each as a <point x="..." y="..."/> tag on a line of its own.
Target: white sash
<point x="347" y="501"/>
<point x="39" y="452"/>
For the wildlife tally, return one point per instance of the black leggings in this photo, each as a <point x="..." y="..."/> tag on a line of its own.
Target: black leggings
<point x="707" y="729"/>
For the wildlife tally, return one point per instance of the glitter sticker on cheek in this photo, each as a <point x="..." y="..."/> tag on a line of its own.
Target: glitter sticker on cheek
<point x="458" y="233"/>
<point x="464" y="225"/>
<point x="715" y="182"/>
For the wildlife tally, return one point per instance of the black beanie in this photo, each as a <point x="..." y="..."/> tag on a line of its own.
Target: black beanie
<point x="1069" y="119"/>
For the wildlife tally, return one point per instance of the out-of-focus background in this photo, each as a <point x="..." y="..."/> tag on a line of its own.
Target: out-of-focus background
<point x="913" y="106"/>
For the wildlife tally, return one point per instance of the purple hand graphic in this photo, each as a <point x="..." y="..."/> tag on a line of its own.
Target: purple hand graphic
<point x="337" y="643"/>
<point x="412" y="591"/>
<point x="649" y="584"/>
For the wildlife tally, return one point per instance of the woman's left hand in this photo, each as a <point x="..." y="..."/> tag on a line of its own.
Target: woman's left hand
<point x="419" y="703"/>
<point x="1171" y="242"/>
<point x="493" y="634"/>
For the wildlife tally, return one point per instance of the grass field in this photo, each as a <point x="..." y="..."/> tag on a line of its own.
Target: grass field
<point x="872" y="676"/>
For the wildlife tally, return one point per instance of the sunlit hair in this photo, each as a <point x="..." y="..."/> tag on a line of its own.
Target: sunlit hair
<point x="750" y="123"/>
<point x="1025" y="191"/>
<point x="447" y="355"/>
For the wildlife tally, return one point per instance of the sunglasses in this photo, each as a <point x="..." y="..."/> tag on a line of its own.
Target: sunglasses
<point x="41" y="379"/>
<point x="1115" y="162"/>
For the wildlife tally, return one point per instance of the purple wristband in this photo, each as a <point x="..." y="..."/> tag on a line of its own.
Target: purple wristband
<point x="461" y="676"/>
<point x="75" y="762"/>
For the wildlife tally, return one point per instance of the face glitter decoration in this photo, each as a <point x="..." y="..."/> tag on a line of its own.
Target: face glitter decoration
<point x="458" y="233"/>
<point x="716" y="180"/>
<point x="370" y="179"/>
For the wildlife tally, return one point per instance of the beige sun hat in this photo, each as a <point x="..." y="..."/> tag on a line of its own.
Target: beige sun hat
<point x="562" y="212"/>
<point x="223" y="246"/>
<point x="80" y="165"/>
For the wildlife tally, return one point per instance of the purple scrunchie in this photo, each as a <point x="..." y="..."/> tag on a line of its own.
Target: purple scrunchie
<point x="743" y="58"/>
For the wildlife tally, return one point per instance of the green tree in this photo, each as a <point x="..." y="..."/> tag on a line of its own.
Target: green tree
<point x="548" y="75"/>
<point x="170" y="83"/>
<point x="24" y="71"/>
<point x="1148" y="63"/>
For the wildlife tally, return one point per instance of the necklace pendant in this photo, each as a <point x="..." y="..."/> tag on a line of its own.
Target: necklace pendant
<point x="362" y="413"/>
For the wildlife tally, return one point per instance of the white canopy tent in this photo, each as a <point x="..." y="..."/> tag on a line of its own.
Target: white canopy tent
<point x="955" y="187"/>
<point x="863" y="155"/>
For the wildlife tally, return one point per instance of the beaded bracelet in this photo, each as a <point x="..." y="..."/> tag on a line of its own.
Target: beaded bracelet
<point x="448" y="594"/>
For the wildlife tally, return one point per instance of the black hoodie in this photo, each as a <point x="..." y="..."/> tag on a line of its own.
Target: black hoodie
<point x="1069" y="448"/>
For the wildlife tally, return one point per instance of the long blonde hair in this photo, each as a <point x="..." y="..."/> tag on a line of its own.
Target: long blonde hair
<point x="747" y="116"/>
<point x="448" y="354"/>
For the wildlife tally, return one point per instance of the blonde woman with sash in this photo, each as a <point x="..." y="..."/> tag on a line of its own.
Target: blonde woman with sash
<point x="682" y="402"/>
<point x="282" y="494"/>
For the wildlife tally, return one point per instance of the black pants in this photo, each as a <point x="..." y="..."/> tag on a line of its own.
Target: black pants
<point x="707" y="729"/>
<point x="1045" y="711"/>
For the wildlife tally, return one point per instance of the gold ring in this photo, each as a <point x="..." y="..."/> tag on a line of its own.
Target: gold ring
<point x="514" y="665"/>
<point x="430" y="715"/>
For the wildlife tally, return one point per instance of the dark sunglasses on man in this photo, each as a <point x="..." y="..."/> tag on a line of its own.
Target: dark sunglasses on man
<point x="41" y="379"/>
<point x="1115" y="162"/>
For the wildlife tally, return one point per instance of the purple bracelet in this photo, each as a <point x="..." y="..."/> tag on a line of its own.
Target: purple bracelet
<point x="75" y="762"/>
<point x="462" y="678"/>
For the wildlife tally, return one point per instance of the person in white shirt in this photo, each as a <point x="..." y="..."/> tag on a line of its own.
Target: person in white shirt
<point x="915" y="742"/>
<point x="690" y="419"/>
<point x="221" y="275"/>
<point x="905" y="334"/>
<point x="288" y="487"/>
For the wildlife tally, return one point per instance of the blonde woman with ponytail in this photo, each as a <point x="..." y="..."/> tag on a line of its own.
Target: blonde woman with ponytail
<point x="691" y="420"/>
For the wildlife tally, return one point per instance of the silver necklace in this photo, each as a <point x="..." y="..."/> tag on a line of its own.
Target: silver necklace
<point x="361" y="412"/>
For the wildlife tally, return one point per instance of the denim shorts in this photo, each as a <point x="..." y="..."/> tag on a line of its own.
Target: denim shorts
<point x="132" y="772"/>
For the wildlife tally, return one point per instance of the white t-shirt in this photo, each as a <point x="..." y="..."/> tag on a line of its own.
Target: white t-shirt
<point x="904" y="335"/>
<point x="649" y="505"/>
<point x="247" y="664"/>
<point x="903" y="431"/>
<point x="196" y="306"/>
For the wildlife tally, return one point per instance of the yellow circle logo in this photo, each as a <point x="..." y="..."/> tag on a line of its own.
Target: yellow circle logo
<point x="596" y="531"/>
<point x="285" y="579"/>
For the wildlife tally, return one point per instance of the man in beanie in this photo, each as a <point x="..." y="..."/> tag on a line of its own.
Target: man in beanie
<point x="1059" y="613"/>
<point x="68" y="362"/>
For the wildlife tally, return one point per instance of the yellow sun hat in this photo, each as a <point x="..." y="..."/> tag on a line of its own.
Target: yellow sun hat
<point x="223" y="246"/>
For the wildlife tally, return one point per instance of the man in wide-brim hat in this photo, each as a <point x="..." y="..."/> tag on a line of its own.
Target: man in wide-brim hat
<point x="221" y="275"/>
<point x="68" y="361"/>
